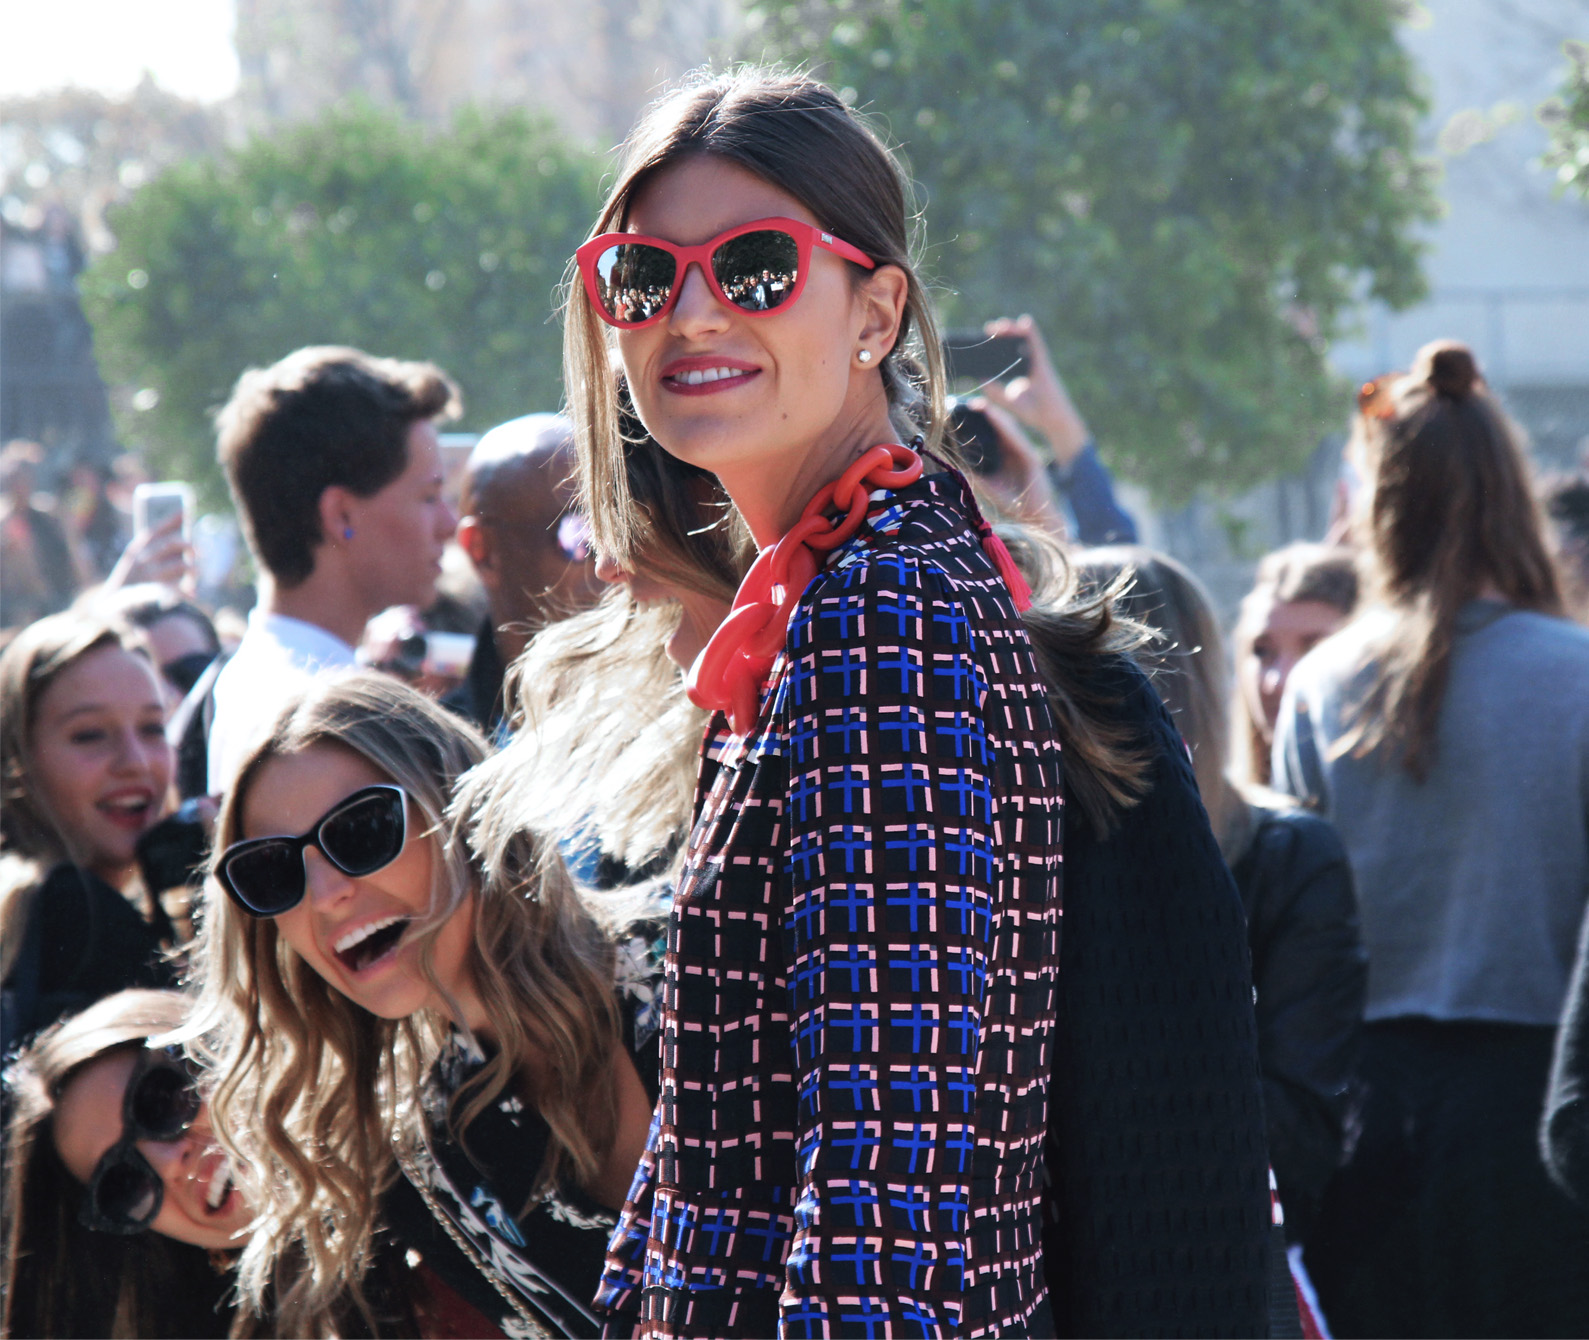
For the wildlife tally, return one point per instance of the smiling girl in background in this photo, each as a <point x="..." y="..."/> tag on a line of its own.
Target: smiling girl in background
<point x="86" y="772"/>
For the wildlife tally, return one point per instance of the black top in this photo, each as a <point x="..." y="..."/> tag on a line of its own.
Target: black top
<point x="1566" y="1129"/>
<point x="90" y="942"/>
<point x="479" y="697"/>
<point x="1159" y="1218"/>
<point x="1311" y="972"/>
<point x="548" y="1251"/>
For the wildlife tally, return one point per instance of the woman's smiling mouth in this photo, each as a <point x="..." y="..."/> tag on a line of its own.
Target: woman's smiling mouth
<point x="372" y="943"/>
<point x="707" y="375"/>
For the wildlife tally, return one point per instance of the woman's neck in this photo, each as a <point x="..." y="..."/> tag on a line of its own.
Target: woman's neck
<point x="770" y="495"/>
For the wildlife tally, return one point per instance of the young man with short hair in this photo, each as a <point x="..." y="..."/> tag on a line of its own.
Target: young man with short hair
<point x="334" y="463"/>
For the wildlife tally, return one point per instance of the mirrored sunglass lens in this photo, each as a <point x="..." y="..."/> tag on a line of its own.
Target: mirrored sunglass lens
<point x="268" y="878"/>
<point x="758" y="270"/>
<point x="366" y="835"/>
<point x="165" y="1102"/>
<point x="127" y="1194"/>
<point x="634" y="280"/>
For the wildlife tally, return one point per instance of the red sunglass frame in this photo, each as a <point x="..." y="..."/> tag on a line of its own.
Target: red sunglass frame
<point x="807" y="237"/>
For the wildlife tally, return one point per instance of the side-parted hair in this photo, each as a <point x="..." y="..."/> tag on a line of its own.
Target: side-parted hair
<point x="60" y="1277"/>
<point x="799" y="136"/>
<point x="322" y="416"/>
<point x="311" y="1091"/>
<point x="1323" y="574"/>
<point x="1450" y="514"/>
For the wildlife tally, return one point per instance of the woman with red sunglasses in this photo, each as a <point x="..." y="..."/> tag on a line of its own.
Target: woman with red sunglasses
<point x="862" y="953"/>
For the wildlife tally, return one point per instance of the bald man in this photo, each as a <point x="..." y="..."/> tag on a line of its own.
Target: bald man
<point x="528" y="545"/>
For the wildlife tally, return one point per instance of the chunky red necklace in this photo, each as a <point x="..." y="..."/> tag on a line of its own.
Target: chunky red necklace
<point x="728" y="674"/>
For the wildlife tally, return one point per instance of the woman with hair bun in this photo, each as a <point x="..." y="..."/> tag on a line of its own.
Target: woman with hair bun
<point x="1445" y="733"/>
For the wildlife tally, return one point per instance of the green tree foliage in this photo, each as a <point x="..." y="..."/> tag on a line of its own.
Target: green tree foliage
<point x="1190" y="196"/>
<point x="1567" y="117"/>
<point x="358" y="228"/>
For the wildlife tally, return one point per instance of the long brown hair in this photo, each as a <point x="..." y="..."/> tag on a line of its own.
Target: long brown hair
<point x="60" y="1277"/>
<point x="797" y="134"/>
<point x="596" y="701"/>
<point x="1450" y="516"/>
<point x="1185" y="657"/>
<point x="312" y="1091"/>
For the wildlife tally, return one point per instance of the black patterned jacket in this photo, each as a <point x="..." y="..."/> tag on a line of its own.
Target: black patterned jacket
<point x="860" y="981"/>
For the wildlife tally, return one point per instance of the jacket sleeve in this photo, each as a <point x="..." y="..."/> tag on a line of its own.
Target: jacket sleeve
<point x="1565" y="1134"/>
<point x="887" y="937"/>
<point x="1311" y="975"/>
<point x="1089" y="488"/>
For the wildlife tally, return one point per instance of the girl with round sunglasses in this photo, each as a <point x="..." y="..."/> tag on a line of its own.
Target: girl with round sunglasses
<point x="863" y="944"/>
<point x="436" y="1017"/>
<point x="122" y="1214"/>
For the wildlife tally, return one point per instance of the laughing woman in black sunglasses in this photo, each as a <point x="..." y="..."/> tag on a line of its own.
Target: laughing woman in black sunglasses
<point x="121" y="1213"/>
<point x="408" y="1036"/>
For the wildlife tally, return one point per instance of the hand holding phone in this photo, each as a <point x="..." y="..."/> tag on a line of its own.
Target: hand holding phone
<point x="977" y="356"/>
<point x="160" y="550"/>
<point x="1037" y="397"/>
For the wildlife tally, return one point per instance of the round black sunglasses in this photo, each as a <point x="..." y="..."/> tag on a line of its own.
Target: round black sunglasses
<point x="161" y="1102"/>
<point x="359" y="835"/>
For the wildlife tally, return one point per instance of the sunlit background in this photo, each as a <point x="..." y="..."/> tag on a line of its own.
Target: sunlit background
<point x="319" y="142"/>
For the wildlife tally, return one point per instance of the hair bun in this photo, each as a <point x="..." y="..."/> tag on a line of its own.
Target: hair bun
<point x="1449" y="367"/>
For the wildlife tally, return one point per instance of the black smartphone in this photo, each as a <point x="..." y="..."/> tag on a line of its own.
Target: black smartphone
<point x="975" y="437"/>
<point x="973" y="356"/>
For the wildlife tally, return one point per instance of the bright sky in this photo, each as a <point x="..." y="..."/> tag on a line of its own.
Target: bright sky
<point x="108" y="44"/>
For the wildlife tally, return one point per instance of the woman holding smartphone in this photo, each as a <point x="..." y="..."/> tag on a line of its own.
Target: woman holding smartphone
<point x="862" y="953"/>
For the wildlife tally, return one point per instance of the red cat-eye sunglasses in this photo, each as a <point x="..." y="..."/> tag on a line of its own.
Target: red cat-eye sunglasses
<point x="758" y="267"/>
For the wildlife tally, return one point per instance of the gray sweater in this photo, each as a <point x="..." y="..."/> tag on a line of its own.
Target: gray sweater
<point x="1472" y="884"/>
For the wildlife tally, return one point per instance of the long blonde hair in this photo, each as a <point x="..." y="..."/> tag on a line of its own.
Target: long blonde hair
<point x="797" y="134"/>
<point x="312" y="1091"/>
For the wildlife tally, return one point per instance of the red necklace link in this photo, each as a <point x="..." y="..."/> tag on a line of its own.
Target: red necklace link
<point x="728" y="674"/>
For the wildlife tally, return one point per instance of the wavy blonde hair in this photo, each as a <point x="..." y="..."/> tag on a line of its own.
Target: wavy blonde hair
<point x="312" y="1092"/>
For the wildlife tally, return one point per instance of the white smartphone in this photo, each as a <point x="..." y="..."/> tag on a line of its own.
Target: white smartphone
<point x="155" y="504"/>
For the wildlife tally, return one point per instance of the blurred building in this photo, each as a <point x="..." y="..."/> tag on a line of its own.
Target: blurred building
<point x="50" y="389"/>
<point x="1508" y="270"/>
<point x="592" y="66"/>
<point x="1509" y="264"/>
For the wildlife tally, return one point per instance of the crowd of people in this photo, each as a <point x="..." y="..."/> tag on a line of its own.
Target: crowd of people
<point x="843" y="893"/>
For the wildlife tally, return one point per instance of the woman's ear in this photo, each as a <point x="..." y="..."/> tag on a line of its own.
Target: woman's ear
<point x="881" y="298"/>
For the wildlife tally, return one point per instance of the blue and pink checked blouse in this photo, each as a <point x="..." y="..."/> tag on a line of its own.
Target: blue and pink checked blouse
<point x="860" y="983"/>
